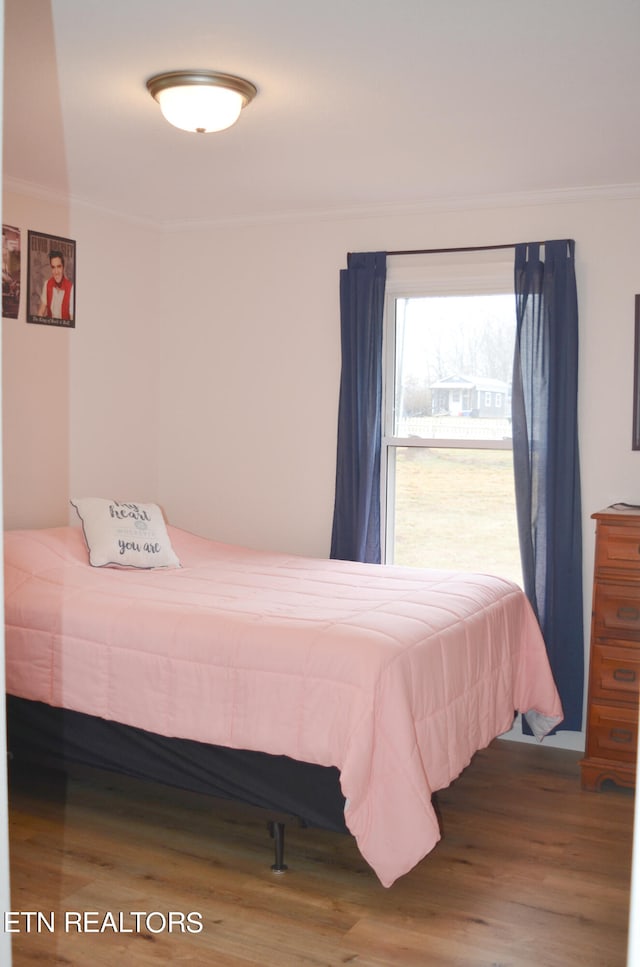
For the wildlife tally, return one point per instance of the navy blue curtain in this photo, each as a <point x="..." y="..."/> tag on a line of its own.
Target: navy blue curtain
<point x="546" y="459"/>
<point x="356" y="518"/>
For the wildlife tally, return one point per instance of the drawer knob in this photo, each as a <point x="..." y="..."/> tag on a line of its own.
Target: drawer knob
<point x="628" y="613"/>
<point x="623" y="736"/>
<point x="624" y="675"/>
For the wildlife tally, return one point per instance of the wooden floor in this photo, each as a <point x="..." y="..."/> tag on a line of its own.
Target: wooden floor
<point x="531" y="872"/>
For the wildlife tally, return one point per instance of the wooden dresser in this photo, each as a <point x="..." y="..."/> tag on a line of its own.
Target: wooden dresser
<point x="614" y="671"/>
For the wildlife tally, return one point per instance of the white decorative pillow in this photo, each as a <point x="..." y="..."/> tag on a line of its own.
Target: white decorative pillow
<point x="124" y="534"/>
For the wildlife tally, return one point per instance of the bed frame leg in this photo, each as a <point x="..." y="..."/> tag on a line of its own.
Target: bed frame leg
<point x="276" y="831"/>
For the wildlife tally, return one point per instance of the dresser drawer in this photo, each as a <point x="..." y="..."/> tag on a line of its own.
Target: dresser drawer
<point x="614" y="677"/>
<point x="615" y="673"/>
<point x="616" y="610"/>
<point x="612" y="733"/>
<point x="618" y="548"/>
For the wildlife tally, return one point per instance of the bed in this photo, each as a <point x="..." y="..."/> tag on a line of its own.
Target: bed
<point x="383" y="680"/>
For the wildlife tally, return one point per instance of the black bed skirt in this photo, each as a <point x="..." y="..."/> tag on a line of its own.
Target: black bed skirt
<point x="56" y="738"/>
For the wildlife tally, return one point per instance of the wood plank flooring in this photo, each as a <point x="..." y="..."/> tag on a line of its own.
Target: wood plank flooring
<point x="531" y="872"/>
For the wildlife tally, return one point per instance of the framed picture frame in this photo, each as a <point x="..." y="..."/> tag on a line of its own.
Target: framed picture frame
<point x="11" y="271"/>
<point x="51" y="280"/>
<point x="636" y="379"/>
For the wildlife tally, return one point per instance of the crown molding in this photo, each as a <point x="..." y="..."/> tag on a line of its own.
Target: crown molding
<point x="42" y="193"/>
<point x="554" y="196"/>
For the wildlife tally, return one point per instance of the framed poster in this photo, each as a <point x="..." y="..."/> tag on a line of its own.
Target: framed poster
<point x="51" y="280"/>
<point x="10" y="271"/>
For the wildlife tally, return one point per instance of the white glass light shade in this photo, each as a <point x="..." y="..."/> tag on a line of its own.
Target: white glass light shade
<point x="200" y="108"/>
<point x="200" y="101"/>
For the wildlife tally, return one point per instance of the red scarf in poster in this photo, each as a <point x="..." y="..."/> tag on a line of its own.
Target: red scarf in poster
<point x="67" y="286"/>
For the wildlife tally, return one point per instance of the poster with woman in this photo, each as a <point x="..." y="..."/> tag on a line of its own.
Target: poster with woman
<point x="51" y="280"/>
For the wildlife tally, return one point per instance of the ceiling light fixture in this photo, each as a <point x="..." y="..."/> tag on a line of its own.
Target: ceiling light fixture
<point x="201" y="101"/>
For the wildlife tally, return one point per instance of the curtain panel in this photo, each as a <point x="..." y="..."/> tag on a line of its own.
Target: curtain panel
<point x="356" y="520"/>
<point x="546" y="458"/>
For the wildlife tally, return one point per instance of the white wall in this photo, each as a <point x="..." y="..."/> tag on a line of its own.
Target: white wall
<point x="80" y="405"/>
<point x="205" y="365"/>
<point x="114" y="370"/>
<point x="252" y="357"/>
<point x="36" y="378"/>
<point x="251" y="352"/>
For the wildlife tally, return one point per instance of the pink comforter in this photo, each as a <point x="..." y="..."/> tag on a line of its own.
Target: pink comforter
<point x="395" y="676"/>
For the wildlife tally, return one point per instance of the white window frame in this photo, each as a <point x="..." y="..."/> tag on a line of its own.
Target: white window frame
<point x="464" y="273"/>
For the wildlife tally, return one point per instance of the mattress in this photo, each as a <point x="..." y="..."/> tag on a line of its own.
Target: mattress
<point x="394" y="676"/>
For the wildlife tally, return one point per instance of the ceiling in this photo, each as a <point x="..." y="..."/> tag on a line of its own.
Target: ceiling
<point x="362" y="105"/>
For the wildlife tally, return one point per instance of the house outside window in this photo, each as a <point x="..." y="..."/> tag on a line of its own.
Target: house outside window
<point x="448" y="497"/>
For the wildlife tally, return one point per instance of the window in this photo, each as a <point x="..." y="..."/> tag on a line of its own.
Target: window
<point x="448" y="487"/>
